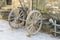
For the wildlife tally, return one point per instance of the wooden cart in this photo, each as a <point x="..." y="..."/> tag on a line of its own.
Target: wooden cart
<point x="31" y="18"/>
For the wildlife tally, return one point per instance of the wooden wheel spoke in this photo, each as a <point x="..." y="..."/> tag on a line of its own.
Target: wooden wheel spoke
<point x="14" y="24"/>
<point x="35" y="28"/>
<point x="21" y="15"/>
<point x="30" y="28"/>
<point x="20" y="24"/>
<point x="22" y="19"/>
<point x="11" y="19"/>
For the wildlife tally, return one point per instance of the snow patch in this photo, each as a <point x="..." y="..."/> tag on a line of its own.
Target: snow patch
<point x="20" y="34"/>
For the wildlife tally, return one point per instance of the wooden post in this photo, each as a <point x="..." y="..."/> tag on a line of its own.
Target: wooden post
<point x="31" y="4"/>
<point x="55" y="28"/>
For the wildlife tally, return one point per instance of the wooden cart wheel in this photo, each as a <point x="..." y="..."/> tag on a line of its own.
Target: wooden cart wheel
<point x="34" y="22"/>
<point x="17" y="17"/>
